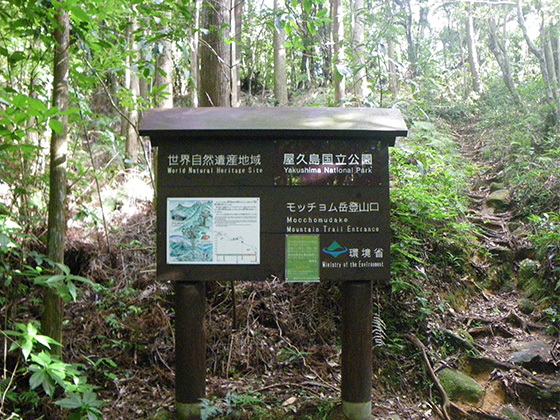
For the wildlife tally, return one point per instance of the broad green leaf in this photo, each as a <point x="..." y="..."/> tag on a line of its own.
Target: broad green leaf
<point x="79" y="15"/>
<point x="72" y="290"/>
<point x="48" y="386"/>
<point x="5" y="241"/>
<point x="42" y="359"/>
<point x="90" y="398"/>
<point x="37" y="379"/>
<point x="26" y="348"/>
<point x="94" y="414"/>
<point x="63" y="267"/>
<point x="312" y="28"/>
<point x="16" y="56"/>
<point x="56" y="126"/>
<point x="46" y="341"/>
<point x="322" y="13"/>
<point x="26" y="149"/>
<point x="72" y="402"/>
<point x="307" y="6"/>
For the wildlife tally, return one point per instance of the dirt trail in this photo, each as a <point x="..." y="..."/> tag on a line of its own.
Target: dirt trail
<point x="511" y="354"/>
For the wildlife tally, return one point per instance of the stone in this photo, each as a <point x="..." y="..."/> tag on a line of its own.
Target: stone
<point x="526" y="306"/>
<point x="461" y="387"/>
<point x="528" y="352"/>
<point x="497" y="186"/>
<point x="528" y="269"/>
<point x="527" y="277"/>
<point x="498" y="199"/>
<point x="512" y="414"/>
<point x="502" y="252"/>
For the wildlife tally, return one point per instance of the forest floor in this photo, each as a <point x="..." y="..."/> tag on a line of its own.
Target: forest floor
<point x="273" y="348"/>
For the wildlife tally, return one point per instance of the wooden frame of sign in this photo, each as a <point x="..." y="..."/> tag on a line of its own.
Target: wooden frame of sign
<point x="300" y="194"/>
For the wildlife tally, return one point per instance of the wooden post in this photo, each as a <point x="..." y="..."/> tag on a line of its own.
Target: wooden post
<point x="356" y="349"/>
<point x="190" y="349"/>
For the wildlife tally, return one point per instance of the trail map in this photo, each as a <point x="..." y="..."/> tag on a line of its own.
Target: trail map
<point x="213" y="230"/>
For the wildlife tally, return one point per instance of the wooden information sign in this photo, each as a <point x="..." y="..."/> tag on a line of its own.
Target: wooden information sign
<point x="300" y="194"/>
<point x="236" y="185"/>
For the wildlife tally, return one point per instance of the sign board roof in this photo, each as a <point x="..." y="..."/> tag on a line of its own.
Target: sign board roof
<point x="386" y="124"/>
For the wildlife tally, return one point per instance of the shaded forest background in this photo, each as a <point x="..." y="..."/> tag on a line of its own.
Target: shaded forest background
<point x="478" y="83"/>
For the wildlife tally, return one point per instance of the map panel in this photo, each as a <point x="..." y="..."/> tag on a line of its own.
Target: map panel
<point x="223" y="230"/>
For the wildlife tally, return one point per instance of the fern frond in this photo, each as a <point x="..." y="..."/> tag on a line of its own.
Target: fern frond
<point x="379" y="331"/>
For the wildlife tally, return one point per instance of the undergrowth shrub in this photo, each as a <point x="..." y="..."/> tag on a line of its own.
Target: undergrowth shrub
<point x="545" y="236"/>
<point x="32" y="375"/>
<point x="432" y="239"/>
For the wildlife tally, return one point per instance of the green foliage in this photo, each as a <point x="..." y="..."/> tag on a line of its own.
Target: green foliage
<point x="47" y="372"/>
<point x="21" y="269"/>
<point x="63" y="284"/>
<point x="553" y="317"/>
<point x="428" y="199"/>
<point x="85" y="406"/>
<point x="229" y="407"/>
<point x="545" y="236"/>
<point x="291" y="354"/>
<point x="28" y="338"/>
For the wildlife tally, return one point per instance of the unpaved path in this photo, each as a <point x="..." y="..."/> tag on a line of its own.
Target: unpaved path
<point x="512" y="356"/>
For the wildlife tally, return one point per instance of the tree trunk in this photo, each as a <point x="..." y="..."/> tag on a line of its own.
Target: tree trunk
<point x="535" y="51"/>
<point x="358" y="40"/>
<point x="215" y="75"/>
<point x="393" y="78"/>
<point x="236" y="12"/>
<point x="195" y="45"/>
<point x="556" y="46"/>
<point x="164" y="76"/>
<point x="473" y="55"/>
<point x="502" y="58"/>
<point x="546" y="41"/>
<point x="413" y="37"/>
<point x="338" y="51"/>
<point x="280" y="74"/>
<point x="129" y="125"/>
<point x="52" y="316"/>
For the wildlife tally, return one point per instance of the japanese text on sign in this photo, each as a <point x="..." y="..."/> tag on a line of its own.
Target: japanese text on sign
<point x="340" y="159"/>
<point x="342" y="207"/>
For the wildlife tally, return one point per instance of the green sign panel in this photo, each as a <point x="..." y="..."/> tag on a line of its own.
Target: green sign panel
<point x="302" y="258"/>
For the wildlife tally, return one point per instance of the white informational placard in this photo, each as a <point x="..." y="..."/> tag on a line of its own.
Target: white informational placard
<point x="211" y="231"/>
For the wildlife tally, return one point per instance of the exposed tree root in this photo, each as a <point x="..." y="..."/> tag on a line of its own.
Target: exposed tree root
<point x="446" y="402"/>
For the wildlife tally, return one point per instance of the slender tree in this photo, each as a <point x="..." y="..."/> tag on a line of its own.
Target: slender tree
<point x="534" y="50"/>
<point x="52" y="315"/>
<point x="130" y="117"/>
<point x="471" y="47"/>
<point x="393" y="77"/>
<point x="415" y="31"/>
<point x="358" y="45"/>
<point x="500" y="54"/>
<point x="164" y="75"/>
<point x="280" y="73"/>
<point x="195" y="57"/>
<point x="338" y="51"/>
<point x="236" y="19"/>
<point x="215" y="77"/>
